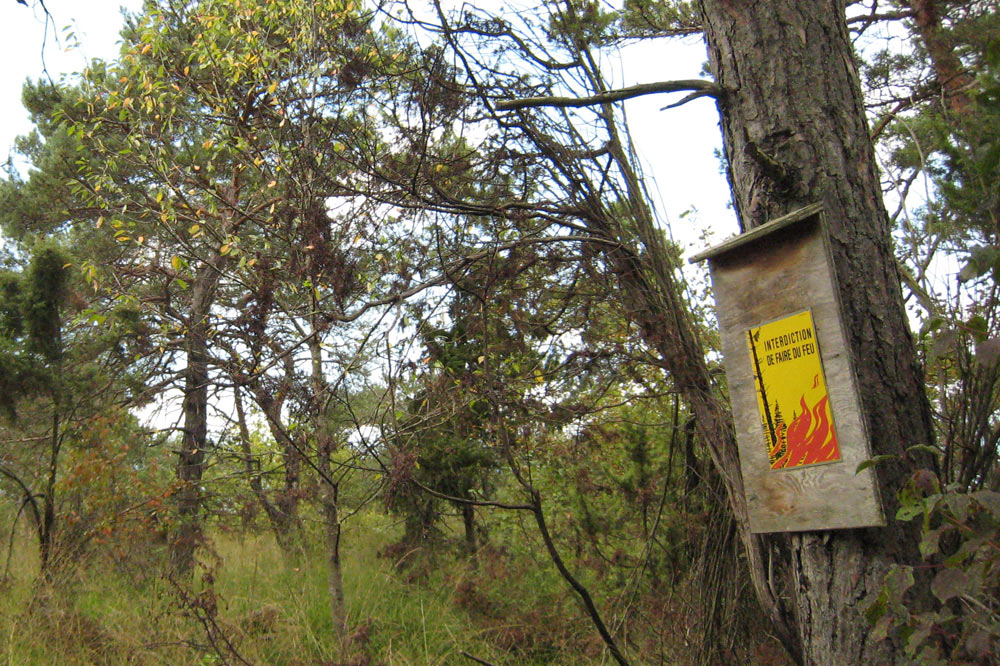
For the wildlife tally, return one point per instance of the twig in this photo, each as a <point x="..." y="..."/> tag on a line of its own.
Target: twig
<point x="204" y="611"/>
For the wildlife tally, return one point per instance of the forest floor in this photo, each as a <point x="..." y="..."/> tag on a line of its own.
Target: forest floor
<point x="251" y="604"/>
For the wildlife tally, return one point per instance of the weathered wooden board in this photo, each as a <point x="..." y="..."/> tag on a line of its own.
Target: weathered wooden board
<point x="764" y="281"/>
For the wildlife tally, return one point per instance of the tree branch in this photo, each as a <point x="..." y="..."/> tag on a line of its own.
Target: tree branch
<point x="472" y="502"/>
<point x="475" y="659"/>
<point x="588" y="602"/>
<point x="695" y="85"/>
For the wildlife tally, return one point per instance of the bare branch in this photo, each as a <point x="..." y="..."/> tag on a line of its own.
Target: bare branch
<point x="472" y="502"/>
<point x="695" y="85"/>
<point x="884" y="16"/>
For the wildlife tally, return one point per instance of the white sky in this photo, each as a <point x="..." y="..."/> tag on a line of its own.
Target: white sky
<point x="95" y="23"/>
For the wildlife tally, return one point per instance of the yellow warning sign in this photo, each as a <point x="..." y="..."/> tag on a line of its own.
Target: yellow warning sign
<point x="795" y="414"/>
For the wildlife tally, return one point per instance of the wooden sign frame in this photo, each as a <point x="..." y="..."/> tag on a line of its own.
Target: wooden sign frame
<point x="782" y="334"/>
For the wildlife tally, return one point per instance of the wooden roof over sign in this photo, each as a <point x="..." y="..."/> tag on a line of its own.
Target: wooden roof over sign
<point x="757" y="233"/>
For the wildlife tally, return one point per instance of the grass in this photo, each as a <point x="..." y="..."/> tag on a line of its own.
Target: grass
<point x="428" y="611"/>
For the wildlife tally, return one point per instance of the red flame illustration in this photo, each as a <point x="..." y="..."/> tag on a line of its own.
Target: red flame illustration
<point x="809" y="439"/>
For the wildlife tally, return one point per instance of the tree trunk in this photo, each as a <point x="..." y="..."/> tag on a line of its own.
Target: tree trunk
<point x="285" y="526"/>
<point x="469" y="522"/>
<point x="191" y="458"/>
<point x="329" y="493"/>
<point x="287" y="500"/>
<point x="286" y="503"/>
<point x="47" y="527"/>
<point x="952" y="76"/>
<point x="794" y="133"/>
<point x="332" y="532"/>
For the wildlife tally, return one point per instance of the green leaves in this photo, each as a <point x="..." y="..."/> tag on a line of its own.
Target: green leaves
<point x="981" y="260"/>
<point x="45" y="290"/>
<point x="11" y="305"/>
<point x="950" y="583"/>
<point x="959" y="542"/>
<point x="874" y="460"/>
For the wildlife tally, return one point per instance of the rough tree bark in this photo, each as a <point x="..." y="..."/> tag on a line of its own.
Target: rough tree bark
<point x="191" y="457"/>
<point x="330" y="488"/>
<point x="795" y="133"/>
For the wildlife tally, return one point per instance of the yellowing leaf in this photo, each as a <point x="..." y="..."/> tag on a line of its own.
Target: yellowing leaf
<point x="207" y="144"/>
<point x="271" y="88"/>
<point x="272" y="183"/>
<point x="100" y="221"/>
<point x="146" y="48"/>
<point x="194" y="228"/>
<point x="225" y="249"/>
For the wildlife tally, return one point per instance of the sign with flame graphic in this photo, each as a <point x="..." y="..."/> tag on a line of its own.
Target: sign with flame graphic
<point x="799" y="425"/>
<point x="795" y="416"/>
